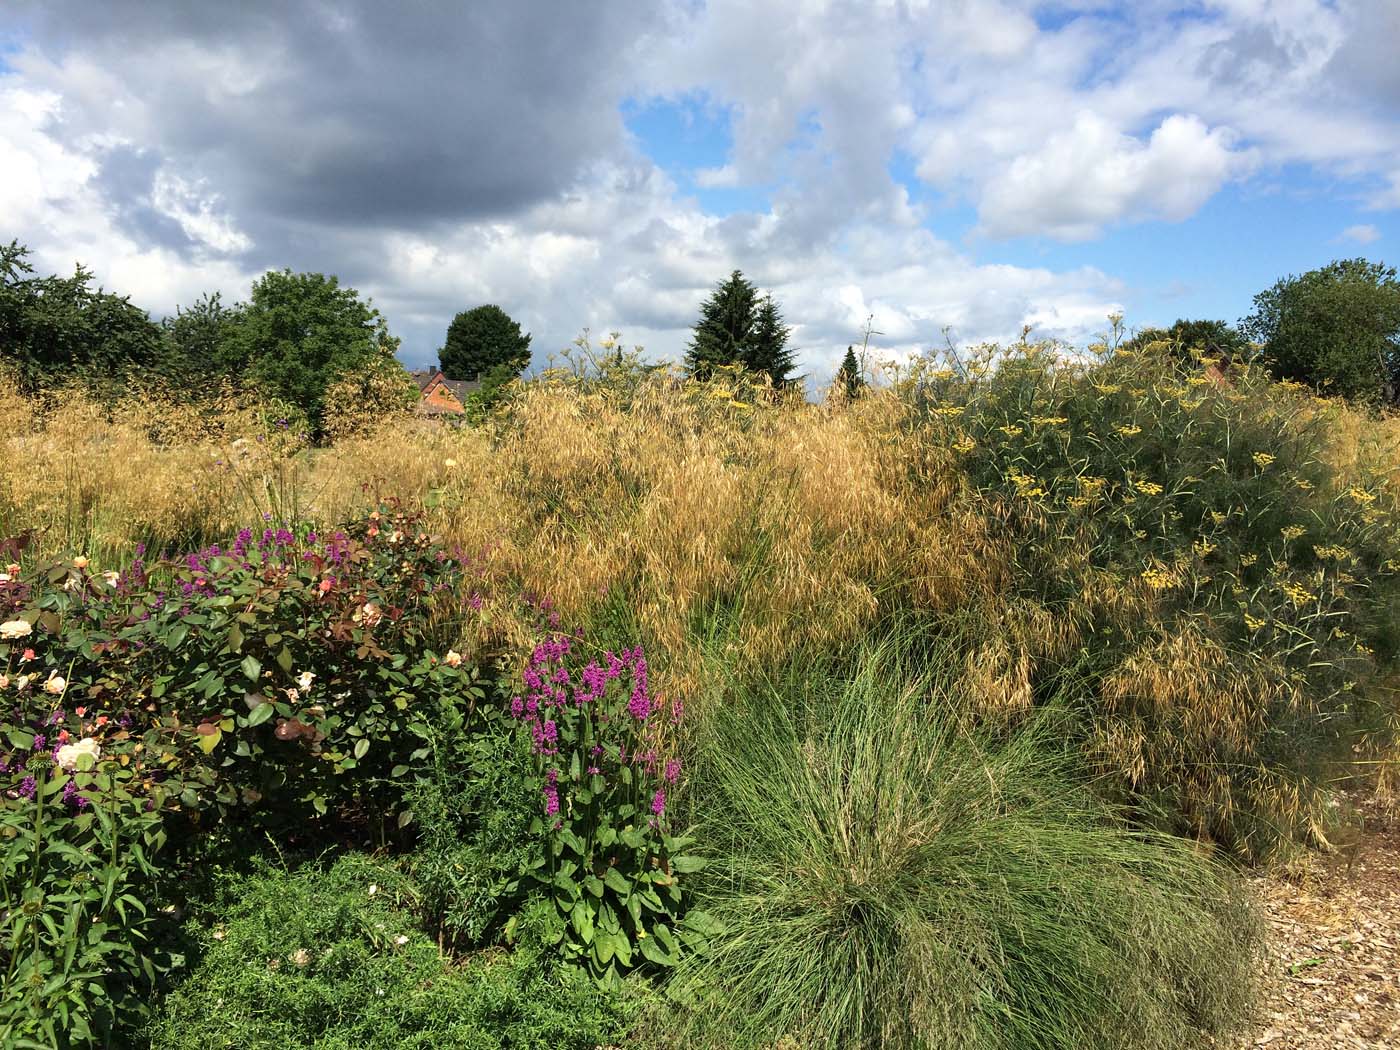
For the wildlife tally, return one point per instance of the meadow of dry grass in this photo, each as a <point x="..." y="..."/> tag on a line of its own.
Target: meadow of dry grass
<point x="1059" y="519"/>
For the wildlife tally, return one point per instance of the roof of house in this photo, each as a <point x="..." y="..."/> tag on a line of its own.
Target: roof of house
<point x="431" y="379"/>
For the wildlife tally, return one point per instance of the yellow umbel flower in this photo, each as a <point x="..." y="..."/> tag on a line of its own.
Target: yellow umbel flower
<point x="1262" y="459"/>
<point x="1292" y="532"/>
<point x="1158" y="579"/>
<point x="1128" y="431"/>
<point x="1148" y="488"/>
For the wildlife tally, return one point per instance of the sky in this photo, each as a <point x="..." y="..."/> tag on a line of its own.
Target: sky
<point x="939" y="169"/>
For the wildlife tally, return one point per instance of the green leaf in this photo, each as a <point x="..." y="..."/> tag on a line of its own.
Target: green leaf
<point x="582" y="916"/>
<point x="655" y="952"/>
<point x="361" y="747"/>
<point x="209" y="741"/>
<point x="405" y="818"/>
<point x="235" y="638"/>
<point x="284" y="659"/>
<point x="616" y="882"/>
<point x="260" y="714"/>
<point x="251" y="668"/>
<point x="686" y="864"/>
<point x="20" y="739"/>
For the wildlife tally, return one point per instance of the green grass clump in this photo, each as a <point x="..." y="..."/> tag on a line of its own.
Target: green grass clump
<point x="889" y="880"/>
<point x="313" y="958"/>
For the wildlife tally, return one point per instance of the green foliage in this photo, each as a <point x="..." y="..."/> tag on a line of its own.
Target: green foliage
<point x="848" y="379"/>
<point x="298" y="333"/>
<point x="737" y="327"/>
<point x="884" y="878"/>
<point x="77" y="884"/>
<point x="1212" y="339"/>
<point x="473" y="812"/>
<point x="331" y="959"/>
<point x="610" y="863"/>
<point x="1220" y="606"/>
<point x="484" y="343"/>
<point x="1336" y="328"/>
<point x="55" y="329"/>
<point x="194" y="339"/>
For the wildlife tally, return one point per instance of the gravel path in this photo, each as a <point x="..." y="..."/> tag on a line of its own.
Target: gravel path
<point x="1333" y="971"/>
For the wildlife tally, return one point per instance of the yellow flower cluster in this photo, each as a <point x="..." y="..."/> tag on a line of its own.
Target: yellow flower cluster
<point x="1011" y="431"/>
<point x="1253" y="622"/>
<point x="964" y="445"/>
<point x="1148" y="488"/>
<point x="1048" y="421"/>
<point x="1361" y="495"/>
<point x="1248" y="559"/>
<point x="1263" y="459"/>
<point x="1292" y="532"/>
<point x="1158" y="579"/>
<point x="1128" y="431"/>
<point x="1298" y="594"/>
<point x="947" y="410"/>
<point x="1203" y="547"/>
<point x="1332" y="553"/>
<point x="1026" y="486"/>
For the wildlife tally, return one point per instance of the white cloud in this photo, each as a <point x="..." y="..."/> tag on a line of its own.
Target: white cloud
<point x="1092" y="175"/>
<point x="1361" y="234"/>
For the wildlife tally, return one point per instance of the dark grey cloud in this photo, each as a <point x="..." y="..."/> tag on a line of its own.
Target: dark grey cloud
<point x="355" y="114"/>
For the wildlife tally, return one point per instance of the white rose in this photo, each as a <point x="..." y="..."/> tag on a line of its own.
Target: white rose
<point x="56" y="684"/>
<point x="80" y="562"/>
<point x="15" y="628"/>
<point x="69" y="754"/>
<point x="453" y="658"/>
<point x="304" y="681"/>
<point x="111" y="576"/>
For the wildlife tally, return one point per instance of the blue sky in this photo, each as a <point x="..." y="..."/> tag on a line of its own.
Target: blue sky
<point x="970" y="165"/>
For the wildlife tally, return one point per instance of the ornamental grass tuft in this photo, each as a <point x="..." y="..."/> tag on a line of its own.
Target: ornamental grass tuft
<point x="889" y="879"/>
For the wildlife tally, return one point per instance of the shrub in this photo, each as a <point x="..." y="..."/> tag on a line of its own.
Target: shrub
<point x="885" y="879"/>
<point x="1185" y="567"/>
<point x="271" y="669"/>
<point x="331" y="959"/>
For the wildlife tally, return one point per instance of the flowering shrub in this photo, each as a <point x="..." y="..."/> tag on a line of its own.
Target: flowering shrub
<point x="1179" y="546"/>
<point x="611" y="862"/>
<point x="276" y="666"/>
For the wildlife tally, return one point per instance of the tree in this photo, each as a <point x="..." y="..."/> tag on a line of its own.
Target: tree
<point x="737" y="327"/>
<point x="722" y="335"/>
<point x="483" y="342"/>
<point x="54" y="329"/>
<point x="1212" y="338"/>
<point x="848" y="378"/>
<point x="194" y="339"/>
<point x="768" y="351"/>
<point x="298" y="333"/>
<point x="1336" y="329"/>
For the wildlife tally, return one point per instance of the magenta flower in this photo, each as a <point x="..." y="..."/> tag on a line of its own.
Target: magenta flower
<point x="658" y="802"/>
<point x="673" y="770"/>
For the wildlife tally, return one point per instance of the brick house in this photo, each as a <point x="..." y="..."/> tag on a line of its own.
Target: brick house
<point x="440" y="396"/>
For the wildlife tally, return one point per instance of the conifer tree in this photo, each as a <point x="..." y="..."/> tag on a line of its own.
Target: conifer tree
<point x="724" y="333"/>
<point x="768" y="351"/>
<point x="848" y="377"/>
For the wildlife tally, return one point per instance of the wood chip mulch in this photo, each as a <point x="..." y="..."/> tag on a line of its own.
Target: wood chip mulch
<point x="1333" y="965"/>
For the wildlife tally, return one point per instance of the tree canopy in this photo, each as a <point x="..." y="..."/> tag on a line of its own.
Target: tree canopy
<point x="1212" y="338"/>
<point x="484" y="343"/>
<point x="1336" y="329"/>
<point x="54" y="329"/>
<point x="300" y="332"/>
<point x="737" y="327"/>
